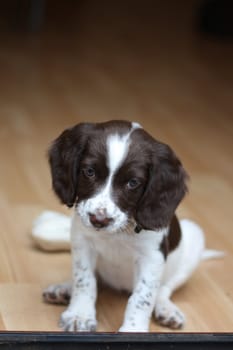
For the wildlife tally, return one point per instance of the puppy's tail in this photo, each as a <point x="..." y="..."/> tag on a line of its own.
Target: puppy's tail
<point x="194" y="233"/>
<point x="212" y="254"/>
<point x="51" y="231"/>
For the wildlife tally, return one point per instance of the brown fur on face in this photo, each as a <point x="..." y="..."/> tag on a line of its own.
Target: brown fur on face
<point x="161" y="175"/>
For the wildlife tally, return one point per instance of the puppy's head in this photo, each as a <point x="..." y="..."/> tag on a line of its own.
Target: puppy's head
<point x="117" y="175"/>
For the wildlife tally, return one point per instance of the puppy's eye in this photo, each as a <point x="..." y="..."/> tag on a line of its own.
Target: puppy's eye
<point x="132" y="184"/>
<point x="89" y="172"/>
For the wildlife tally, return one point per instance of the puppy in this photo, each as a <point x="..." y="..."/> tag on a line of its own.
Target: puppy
<point x="125" y="187"/>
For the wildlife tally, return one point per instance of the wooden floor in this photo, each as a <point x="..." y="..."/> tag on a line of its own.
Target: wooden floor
<point x="114" y="62"/>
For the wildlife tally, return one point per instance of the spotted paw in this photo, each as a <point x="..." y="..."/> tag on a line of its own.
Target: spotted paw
<point x="72" y="322"/>
<point x="58" y="294"/>
<point x="167" y="314"/>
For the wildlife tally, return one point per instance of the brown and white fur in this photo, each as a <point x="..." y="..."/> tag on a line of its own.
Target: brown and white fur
<point x="125" y="187"/>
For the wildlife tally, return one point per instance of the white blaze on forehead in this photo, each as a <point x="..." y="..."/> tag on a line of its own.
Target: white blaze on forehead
<point x="117" y="148"/>
<point x="136" y="126"/>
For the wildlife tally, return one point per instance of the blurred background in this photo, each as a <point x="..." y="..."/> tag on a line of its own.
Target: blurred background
<point x="165" y="64"/>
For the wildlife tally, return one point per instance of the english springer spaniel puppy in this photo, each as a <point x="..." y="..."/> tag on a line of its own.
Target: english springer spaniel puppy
<point x="125" y="187"/>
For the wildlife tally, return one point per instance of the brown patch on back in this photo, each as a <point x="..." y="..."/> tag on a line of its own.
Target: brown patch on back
<point x="171" y="241"/>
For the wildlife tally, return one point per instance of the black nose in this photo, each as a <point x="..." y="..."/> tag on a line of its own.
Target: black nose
<point x="99" y="222"/>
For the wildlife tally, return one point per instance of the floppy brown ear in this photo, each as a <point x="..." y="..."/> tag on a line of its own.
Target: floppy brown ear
<point x="165" y="189"/>
<point x="64" y="158"/>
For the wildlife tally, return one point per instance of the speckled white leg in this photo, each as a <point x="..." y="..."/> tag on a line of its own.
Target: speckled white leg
<point x="142" y="301"/>
<point x="81" y="314"/>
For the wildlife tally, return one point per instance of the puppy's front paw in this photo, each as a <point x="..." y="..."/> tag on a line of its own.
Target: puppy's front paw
<point x="73" y="322"/>
<point x="168" y="314"/>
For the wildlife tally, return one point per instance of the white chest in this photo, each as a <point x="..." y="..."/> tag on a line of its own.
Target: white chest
<point x="118" y="254"/>
<point x="116" y="261"/>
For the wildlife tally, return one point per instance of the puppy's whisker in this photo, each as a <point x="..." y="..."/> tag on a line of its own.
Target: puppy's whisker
<point x="128" y="227"/>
